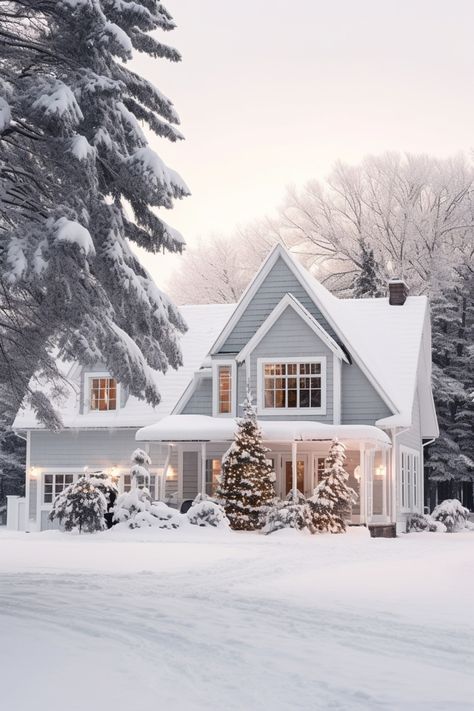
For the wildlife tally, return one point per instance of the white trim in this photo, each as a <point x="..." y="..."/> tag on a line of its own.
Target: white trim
<point x="282" y="411"/>
<point x="190" y="389"/>
<point x="86" y="406"/>
<point x="298" y="271"/>
<point x="289" y="301"/>
<point x="336" y="389"/>
<point x="216" y="364"/>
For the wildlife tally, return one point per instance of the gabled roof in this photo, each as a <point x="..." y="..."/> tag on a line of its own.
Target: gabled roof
<point x="204" y="323"/>
<point x="289" y="301"/>
<point x="384" y="341"/>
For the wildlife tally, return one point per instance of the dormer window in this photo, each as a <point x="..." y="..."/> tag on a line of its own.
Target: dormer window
<point x="292" y="385"/>
<point x="103" y="392"/>
<point x="224" y="388"/>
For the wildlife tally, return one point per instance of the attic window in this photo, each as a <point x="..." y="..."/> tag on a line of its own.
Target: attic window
<point x="103" y="394"/>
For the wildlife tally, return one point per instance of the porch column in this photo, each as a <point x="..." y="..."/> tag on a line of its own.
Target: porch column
<point x="164" y="473"/>
<point x="294" y="469"/>
<point x="362" y="485"/>
<point x="384" y="482"/>
<point x="203" y="468"/>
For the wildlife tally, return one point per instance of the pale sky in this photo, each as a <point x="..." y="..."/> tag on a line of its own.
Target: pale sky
<point x="272" y="92"/>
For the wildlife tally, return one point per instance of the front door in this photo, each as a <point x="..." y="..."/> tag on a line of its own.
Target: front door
<point x="301" y="467"/>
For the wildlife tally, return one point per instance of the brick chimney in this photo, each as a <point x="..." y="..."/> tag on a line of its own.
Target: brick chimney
<point x="397" y="292"/>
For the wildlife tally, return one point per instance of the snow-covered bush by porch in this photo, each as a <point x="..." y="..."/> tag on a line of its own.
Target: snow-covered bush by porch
<point x="81" y="506"/>
<point x="139" y="474"/>
<point x="207" y="512"/>
<point x="247" y="480"/>
<point x="423" y="522"/>
<point x="452" y="514"/>
<point x="332" y="499"/>
<point x="294" y="512"/>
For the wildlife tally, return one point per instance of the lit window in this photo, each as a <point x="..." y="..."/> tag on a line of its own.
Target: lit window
<point x="54" y="484"/>
<point x="213" y="472"/>
<point x="103" y="394"/>
<point x="225" y="389"/>
<point x="292" y="385"/>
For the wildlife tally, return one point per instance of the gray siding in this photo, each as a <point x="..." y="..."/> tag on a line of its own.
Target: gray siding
<point x="291" y="337"/>
<point x="32" y="504"/>
<point x="280" y="281"/>
<point x="361" y="404"/>
<point x="80" y="448"/>
<point x="200" y="402"/>
<point x="190" y="475"/>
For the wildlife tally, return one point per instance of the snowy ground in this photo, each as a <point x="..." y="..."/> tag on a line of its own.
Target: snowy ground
<point x="193" y="619"/>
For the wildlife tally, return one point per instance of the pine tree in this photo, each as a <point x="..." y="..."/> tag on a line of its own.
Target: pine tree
<point x="246" y="487"/>
<point x="368" y="282"/>
<point x="332" y="499"/>
<point x="451" y="457"/>
<point x="81" y="506"/>
<point x="109" y="488"/>
<point x="79" y="186"/>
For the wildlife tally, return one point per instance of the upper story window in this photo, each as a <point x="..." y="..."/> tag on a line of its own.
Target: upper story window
<point x="293" y="385"/>
<point x="224" y="388"/>
<point x="103" y="392"/>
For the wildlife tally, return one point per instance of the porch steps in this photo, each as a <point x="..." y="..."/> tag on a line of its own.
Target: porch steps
<point x="382" y="530"/>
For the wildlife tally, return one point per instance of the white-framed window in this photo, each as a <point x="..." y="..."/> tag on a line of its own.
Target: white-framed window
<point x="223" y="388"/>
<point x="292" y="385"/>
<point x="127" y="484"/>
<point x="213" y="472"/>
<point x="53" y="484"/>
<point x="102" y="393"/>
<point x="410" y="483"/>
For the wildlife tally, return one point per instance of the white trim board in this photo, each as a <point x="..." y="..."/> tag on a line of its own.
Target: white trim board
<point x="289" y="301"/>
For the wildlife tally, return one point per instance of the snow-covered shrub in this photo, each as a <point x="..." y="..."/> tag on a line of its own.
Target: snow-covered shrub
<point x="291" y="513"/>
<point x="81" y="506"/>
<point x="332" y="498"/>
<point x="423" y="522"/>
<point x="207" y="512"/>
<point x="452" y="513"/>
<point x="139" y="474"/>
<point x="159" y="515"/>
<point x="109" y="488"/>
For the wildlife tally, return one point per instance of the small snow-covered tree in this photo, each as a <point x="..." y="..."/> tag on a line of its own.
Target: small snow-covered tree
<point x="332" y="499"/>
<point x="246" y="485"/>
<point x="81" y="506"/>
<point x="452" y="514"/>
<point x="140" y="476"/>
<point x="109" y="488"/>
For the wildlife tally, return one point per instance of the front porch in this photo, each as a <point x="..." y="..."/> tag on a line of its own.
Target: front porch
<point x="195" y="449"/>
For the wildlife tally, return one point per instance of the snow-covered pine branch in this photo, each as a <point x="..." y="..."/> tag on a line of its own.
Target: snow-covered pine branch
<point x="75" y="159"/>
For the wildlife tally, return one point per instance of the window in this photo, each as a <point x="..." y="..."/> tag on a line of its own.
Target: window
<point x="409" y="479"/>
<point x="293" y="385"/>
<point x="213" y="472"/>
<point x="54" y="484"/>
<point x="224" y="379"/>
<point x="127" y="484"/>
<point x="225" y="389"/>
<point x="103" y="394"/>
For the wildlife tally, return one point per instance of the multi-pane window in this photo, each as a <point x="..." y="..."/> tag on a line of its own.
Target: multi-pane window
<point x="54" y="484"/>
<point x="127" y="484"/>
<point x="213" y="472"/>
<point x="292" y="385"/>
<point x="225" y="389"/>
<point x="103" y="393"/>
<point x="409" y="479"/>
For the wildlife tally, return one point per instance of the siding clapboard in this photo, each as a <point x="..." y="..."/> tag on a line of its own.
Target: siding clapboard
<point x="190" y="475"/>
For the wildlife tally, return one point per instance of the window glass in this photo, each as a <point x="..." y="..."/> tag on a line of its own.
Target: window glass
<point x="225" y="389"/>
<point x="213" y="472"/>
<point x="54" y="484"/>
<point x="292" y="385"/>
<point x="103" y="394"/>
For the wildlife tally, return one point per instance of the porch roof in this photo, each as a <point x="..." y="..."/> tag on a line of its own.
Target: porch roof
<point x="202" y="428"/>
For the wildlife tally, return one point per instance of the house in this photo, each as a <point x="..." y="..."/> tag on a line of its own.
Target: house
<point x="318" y="366"/>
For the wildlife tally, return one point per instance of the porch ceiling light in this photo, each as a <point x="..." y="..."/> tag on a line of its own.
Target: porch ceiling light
<point x="380" y="471"/>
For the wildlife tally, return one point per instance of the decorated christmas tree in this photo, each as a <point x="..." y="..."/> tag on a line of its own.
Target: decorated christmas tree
<point x="81" y="506"/>
<point x="332" y="499"/>
<point x="246" y="488"/>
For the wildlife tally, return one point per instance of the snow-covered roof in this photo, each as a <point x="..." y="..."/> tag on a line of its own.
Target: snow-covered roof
<point x="186" y="428"/>
<point x="204" y="324"/>
<point x="384" y="340"/>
